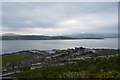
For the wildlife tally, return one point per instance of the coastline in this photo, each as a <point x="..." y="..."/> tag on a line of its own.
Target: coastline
<point x="55" y="39"/>
<point x="21" y="61"/>
<point x="8" y="53"/>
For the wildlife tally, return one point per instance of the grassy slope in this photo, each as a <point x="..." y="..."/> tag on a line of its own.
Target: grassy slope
<point x="89" y="68"/>
<point x="0" y="60"/>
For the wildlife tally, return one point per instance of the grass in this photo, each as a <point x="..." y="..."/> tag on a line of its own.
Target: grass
<point x="103" y="53"/>
<point x="108" y="52"/>
<point x="16" y="57"/>
<point x="0" y="60"/>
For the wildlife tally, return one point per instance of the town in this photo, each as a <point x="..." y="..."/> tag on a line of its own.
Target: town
<point x="55" y="57"/>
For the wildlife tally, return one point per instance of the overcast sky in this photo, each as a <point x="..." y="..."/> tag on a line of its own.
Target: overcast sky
<point x="50" y="18"/>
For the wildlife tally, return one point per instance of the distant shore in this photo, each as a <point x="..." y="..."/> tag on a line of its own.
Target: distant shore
<point x="53" y="39"/>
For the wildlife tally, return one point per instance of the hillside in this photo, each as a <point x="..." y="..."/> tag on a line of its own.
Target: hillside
<point x="70" y="63"/>
<point x="89" y="68"/>
<point x="34" y="37"/>
<point x="93" y="35"/>
<point x="12" y="36"/>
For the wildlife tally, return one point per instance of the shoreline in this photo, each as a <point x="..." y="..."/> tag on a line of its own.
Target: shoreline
<point x="54" y="39"/>
<point x="8" y="53"/>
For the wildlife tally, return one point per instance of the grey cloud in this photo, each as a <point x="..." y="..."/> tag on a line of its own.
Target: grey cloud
<point x="49" y="15"/>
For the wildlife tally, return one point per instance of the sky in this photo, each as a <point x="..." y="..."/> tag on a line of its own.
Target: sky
<point x="59" y="18"/>
<point x="60" y="0"/>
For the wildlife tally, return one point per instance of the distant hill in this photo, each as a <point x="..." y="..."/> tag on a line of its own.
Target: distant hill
<point x="93" y="35"/>
<point x="12" y="36"/>
<point x="31" y="37"/>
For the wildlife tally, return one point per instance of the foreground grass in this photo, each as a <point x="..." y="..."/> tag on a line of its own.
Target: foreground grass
<point x="89" y="68"/>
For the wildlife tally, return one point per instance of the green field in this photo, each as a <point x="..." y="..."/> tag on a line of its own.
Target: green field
<point x="16" y="57"/>
<point x="103" y="53"/>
